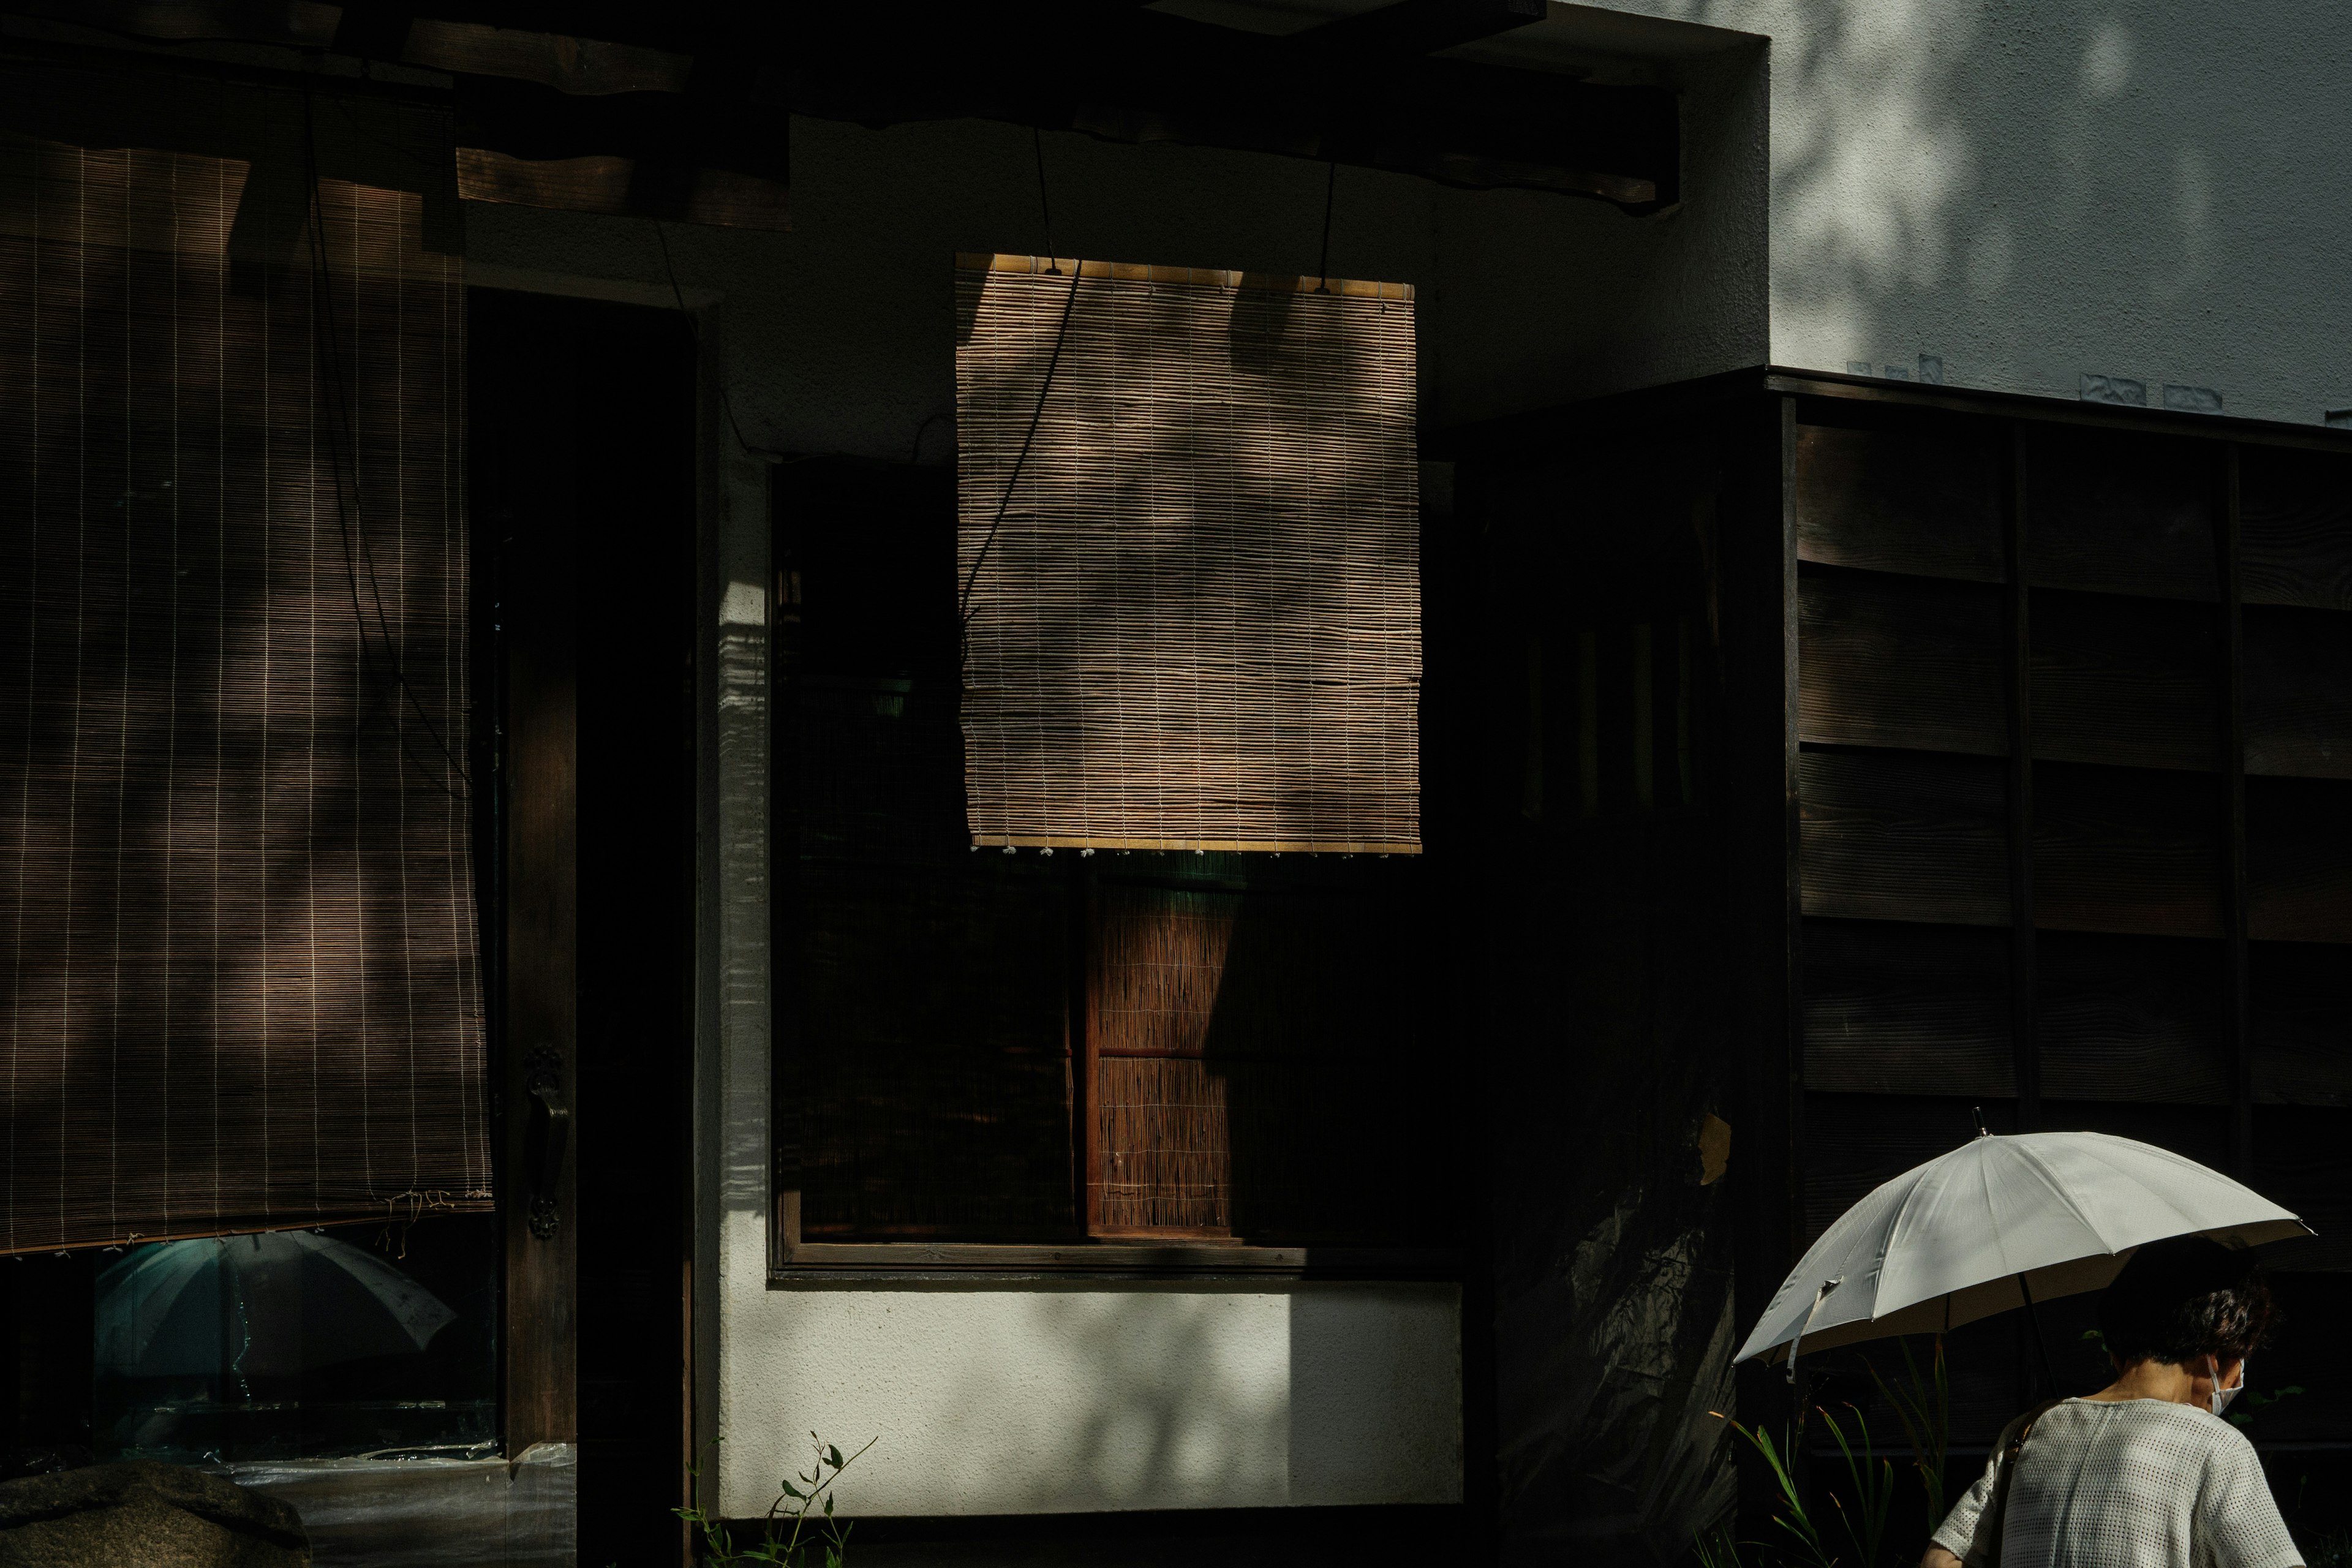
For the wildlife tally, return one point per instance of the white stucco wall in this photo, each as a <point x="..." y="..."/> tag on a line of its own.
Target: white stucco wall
<point x="1016" y="1398"/>
<point x="2032" y="191"/>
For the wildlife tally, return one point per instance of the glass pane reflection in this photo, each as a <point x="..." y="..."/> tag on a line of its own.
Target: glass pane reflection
<point x="292" y="1344"/>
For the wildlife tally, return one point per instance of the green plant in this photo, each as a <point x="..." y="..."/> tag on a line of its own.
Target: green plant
<point x="1794" y="1518"/>
<point x="2253" y="1402"/>
<point x="795" y="1506"/>
<point x="1871" y="1480"/>
<point x="1923" y="1403"/>
<point x="1717" y="1546"/>
<point x="2328" y="1549"/>
<point x="1862" y="1504"/>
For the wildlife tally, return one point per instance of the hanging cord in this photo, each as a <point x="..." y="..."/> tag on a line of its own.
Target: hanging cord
<point x="694" y="325"/>
<point x="330" y="345"/>
<point x="1323" y="266"/>
<point x="1044" y="389"/>
<point x="1045" y="209"/>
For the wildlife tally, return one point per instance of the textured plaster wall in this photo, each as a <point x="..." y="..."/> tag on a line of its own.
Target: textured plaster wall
<point x="1090" y="1396"/>
<point x="838" y="338"/>
<point x="2033" y="189"/>
<point x="1543" y="300"/>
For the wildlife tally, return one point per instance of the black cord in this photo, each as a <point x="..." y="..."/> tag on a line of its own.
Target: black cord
<point x="1044" y="389"/>
<point x="915" y="454"/>
<point x="1323" y="266"/>
<point x="1045" y="209"/>
<point x="1061" y="332"/>
<point x="330" y="349"/>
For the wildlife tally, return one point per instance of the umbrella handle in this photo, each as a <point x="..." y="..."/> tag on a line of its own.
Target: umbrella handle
<point x="2033" y="1321"/>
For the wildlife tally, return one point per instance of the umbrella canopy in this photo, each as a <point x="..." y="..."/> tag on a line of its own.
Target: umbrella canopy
<point x="265" y="1306"/>
<point x="1947" y="1242"/>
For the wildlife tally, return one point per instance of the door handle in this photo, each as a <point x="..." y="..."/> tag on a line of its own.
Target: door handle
<point x="548" y="1140"/>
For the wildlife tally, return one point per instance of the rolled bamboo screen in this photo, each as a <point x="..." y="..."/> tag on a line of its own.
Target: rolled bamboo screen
<point x="239" y="964"/>
<point x="1191" y="599"/>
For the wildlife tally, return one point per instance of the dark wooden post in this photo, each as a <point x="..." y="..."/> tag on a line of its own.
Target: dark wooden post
<point x="539" y="787"/>
<point x="1758" y="592"/>
<point x="2238" y="1012"/>
<point x="2024" y="981"/>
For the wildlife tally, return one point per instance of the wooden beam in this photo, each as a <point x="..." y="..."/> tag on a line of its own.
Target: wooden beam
<point x="1421" y="27"/>
<point x="1125" y="75"/>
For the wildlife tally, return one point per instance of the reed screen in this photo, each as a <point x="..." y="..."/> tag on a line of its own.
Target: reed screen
<point x="241" y="985"/>
<point x="1188" y="558"/>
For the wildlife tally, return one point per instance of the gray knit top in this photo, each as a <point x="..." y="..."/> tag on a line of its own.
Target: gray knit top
<point x="2134" y="1483"/>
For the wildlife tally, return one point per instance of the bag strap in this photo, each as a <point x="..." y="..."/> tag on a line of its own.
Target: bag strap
<point x="2011" y="1444"/>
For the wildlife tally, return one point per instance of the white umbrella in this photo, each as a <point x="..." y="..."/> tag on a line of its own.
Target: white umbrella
<point x="1969" y="1234"/>
<point x="269" y="1305"/>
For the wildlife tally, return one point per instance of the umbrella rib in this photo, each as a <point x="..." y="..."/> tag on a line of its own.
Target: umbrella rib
<point x="2051" y="1181"/>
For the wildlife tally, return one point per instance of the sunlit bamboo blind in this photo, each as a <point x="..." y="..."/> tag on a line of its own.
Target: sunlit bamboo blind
<point x="1191" y="599"/>
<point x="238" y="988"/>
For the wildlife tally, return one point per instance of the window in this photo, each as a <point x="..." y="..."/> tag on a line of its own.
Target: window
<point x="1052" y="966"/>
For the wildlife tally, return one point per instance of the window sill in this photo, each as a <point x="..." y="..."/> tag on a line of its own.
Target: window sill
<point x="807" y="1262"/>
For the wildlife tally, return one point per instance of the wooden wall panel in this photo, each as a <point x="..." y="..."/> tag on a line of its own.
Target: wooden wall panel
<point x="2299" y="1163"/>
<point x="2298" y="859"/>
<point x="1900" y="661"/>
<point x="1889" y="835"/>
<point x="2132" y="1017"/>
<point x="1854" y="1141"/>
<point x="2126" y="851"/>
<point x="2309" y="1351"/>
<point x="2298" y="692"/>
<point x="1924" y="501"/>
<point x="1894" y="1008"/>
<point x="2129" y="682"/>
<point x="2296" y="528"/>
<point x="2301" y="1023"/>
<point x="2115" y="512"/>
<point x="2201" y="1133"/>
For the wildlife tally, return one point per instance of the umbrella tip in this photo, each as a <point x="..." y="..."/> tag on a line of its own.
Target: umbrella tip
<point x="1981" y="1132"/>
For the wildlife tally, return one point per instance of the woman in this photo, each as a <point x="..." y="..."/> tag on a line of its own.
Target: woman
<point x="2143" y="1473"/>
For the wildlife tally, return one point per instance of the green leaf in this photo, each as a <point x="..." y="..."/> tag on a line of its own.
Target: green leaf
<point x="792" y="1490"/>
<point x="835" y="1455"/>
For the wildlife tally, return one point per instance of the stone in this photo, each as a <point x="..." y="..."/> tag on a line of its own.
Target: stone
<point x="146" y="1515"/>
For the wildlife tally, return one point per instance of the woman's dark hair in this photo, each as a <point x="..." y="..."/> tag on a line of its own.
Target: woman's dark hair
<point x="2183" y="1300"/>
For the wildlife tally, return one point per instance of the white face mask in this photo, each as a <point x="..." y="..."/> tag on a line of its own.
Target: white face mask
<point x="2218" y="1400"/>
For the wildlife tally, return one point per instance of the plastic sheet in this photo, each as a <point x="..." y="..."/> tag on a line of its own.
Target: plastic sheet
<point x="452" y="1513"/>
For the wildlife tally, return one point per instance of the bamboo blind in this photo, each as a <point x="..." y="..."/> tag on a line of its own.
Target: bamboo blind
<point x="1191" y="601"/>
<point x="239" y="970"/>
<point x="1261" y="1064"/>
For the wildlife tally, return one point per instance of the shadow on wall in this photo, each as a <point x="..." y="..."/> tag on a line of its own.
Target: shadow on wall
<point x="2034" y="193"/>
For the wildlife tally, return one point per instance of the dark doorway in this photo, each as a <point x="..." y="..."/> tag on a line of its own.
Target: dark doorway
<point x="583" y="491"/>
